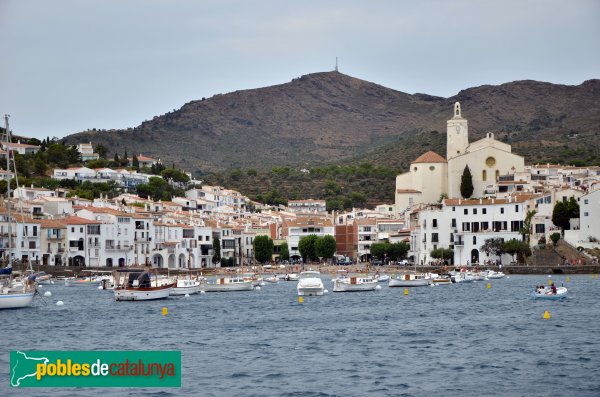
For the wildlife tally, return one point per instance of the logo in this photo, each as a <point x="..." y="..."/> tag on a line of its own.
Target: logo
<point x="95" y="369"/>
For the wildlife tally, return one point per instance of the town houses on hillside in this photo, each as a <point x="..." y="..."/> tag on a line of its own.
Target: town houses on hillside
<point x="45" y="226"/>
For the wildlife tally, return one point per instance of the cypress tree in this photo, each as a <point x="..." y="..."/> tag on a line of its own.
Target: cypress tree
<point x="466" y="183"/>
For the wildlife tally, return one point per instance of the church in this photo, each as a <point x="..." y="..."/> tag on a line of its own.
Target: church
<point x="432" y="175"/>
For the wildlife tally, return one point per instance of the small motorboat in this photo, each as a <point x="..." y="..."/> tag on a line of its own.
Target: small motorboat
<point x="383" y="278"/>
<point x="354" y="283"/>
<point x="310" y="284"/>
<point x="546" y="293"/>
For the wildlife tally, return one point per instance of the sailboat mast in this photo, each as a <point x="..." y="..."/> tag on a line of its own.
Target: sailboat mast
<point x="7" y="130"/>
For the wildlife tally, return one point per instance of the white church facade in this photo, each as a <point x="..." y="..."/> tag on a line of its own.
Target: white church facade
<point x="431" y="175"/>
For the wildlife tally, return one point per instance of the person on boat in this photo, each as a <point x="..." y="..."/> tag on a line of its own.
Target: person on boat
<point x="553" y="288"/>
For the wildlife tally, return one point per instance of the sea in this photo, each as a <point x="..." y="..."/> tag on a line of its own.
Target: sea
<point x="468" y="339"/>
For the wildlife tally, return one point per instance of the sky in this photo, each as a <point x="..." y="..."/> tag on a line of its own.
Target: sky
<point x="71" y="65"/>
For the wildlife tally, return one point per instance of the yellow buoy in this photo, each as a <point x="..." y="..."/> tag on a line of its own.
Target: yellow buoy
<point x="568" y="279"/>
<point x="165" y="311"/>
<point x="405" y="291"/>
<point x="547" y="315"/>
<point x="489" y="285"/>
<point x="300" y="299"/>
<point x="549" y="281"/>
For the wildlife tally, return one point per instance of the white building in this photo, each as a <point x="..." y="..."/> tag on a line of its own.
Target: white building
<point x="86" y="150"/>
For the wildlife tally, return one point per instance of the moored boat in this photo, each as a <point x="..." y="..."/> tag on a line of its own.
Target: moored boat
<point x="354" y="283"/>
<point x="310" y="284"/>
<point x="409" y="280"/>
<point x="227" y="284"/>
<point x="136" y="285"/>
<point x="14" y="296"/>
<point x="186" y="286"/>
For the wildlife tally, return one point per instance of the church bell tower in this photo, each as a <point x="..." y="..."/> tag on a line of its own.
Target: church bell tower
<point x="457" y="134"/>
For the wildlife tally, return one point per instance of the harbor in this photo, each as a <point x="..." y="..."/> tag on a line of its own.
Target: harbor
<point x="459" y="340"/>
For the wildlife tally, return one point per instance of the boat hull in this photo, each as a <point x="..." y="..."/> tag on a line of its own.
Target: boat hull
<point x="142" y="294"/>
<point x="396" y="282"/>
<point x="561" y="293"/>
<point x="79" y="283"/>
<point x="345" y="286"/>
<point x="310" y="291"/>
<point x="246" y="286"/>
<point x="16" y="301"/>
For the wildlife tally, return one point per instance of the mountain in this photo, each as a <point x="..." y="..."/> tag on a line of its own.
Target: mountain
<point x="331" y="117"/>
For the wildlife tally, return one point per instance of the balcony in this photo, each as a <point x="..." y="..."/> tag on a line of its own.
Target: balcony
<point x="459" y="243"/>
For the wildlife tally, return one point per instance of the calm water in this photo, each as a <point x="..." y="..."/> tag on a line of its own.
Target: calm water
<point x="458" y="340"/>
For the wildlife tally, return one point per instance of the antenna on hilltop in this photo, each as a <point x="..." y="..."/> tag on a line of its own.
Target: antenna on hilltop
<point x="336" y="64"/>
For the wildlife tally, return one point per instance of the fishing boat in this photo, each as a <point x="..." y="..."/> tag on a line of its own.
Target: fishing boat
<point x="354" y="283"/>
<point x="440" y="279"/>
<point x="310" y="284"/>
<point x="227" y="284"/>
<point x="137" y="285"/>
<point x="42" y="278"/>
<point x="291" y="277"/>
<point x="384" y="278"/>
<point x="546" y="293"/>
<point x="186" y="286"/>
<point x="271" y="279"/>
<point x="409" y="280"/>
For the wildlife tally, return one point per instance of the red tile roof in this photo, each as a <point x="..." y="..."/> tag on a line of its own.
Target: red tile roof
<point x="430" y="157"/>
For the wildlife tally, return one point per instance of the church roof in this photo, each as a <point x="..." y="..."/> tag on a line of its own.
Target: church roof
<point x="430" y="157"/>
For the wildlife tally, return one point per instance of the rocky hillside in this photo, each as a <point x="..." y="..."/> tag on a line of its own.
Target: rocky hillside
<point x="331" y="117"/>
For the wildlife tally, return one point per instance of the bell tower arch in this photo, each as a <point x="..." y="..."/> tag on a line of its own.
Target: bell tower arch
<point x="457" y="134"/>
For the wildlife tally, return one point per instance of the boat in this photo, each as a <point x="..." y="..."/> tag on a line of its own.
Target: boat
<point x="440" y="279"/>
<point x="491" y="274"/>
<point x="384" y="278"/>
<point x="42" y="278"/>
<point x="546" y="293"/>
<point x="310" y="284"/>
<point x="13" y="295"/>
<point x="462" y="276"/>
<point x="409" y="280"/>
<point x="291" y="277"/>
<point x="271" y="279"/>
<point x="227" y="284"/>
<point x="354" y="283"/>
<point x="88" y="281"/>
<point x="186" y="286"/>
<point x="136" y="285"/>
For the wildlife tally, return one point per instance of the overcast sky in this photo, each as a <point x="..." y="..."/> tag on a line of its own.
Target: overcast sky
<point x="70" y="65"/>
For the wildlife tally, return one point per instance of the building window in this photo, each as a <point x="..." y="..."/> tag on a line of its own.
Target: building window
<point x="540" y="228"/>
<point x="490" y="162"/>
<point x="484" y="211"/>
<point x="474" y="211"/>
<point x="585" y="201"/>
<point x="434" y="223"/>
<point x="466" y="226"/>
<point x="502" y="210"/>
<point x="466" y="211"/>
<point x="431" y="168"/>
<point x="453" y="222"/>
<point x="474" y="240"/>
<point x="516" y="208"/>
<point x="586" y="214"/>
<point x="453" y="209"/>
<point x="484" y="175"/>
<point x="434" y="238"/>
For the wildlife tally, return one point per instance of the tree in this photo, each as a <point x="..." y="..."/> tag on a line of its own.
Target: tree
<point x="378" y="250"/>
<point x="520" y="248"/>
<point x="175" y="175"/>
<point x="555" y="237"/>
<point x="466" y="183"/>
<point x="573" y="208"/>
<point x="397" y="251"/>
<point x="525" y="231"/>
<point x="325" y="247"/>
<point x="216" y="250"/>
<point x="306" y="246"/>
<point x="492" y="246"/>
<point x="284" y="252"/>
<point x="102" y="151"/>
<point x="135" y="163"/>
<point x="263" y="248"/>
<point x="560" y="215"/>
<point x="442" y="253"/>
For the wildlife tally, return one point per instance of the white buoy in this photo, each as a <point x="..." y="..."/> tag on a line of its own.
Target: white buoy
<point x="47" y="293"/>
<point x="99" y="287"/>
<point x="378" y="287"/>
<point x="257" y="288"/>
<point x="40" y="286"/>
<point x="203" y="292"/>
<point x="187" y="295"/>
<point x="325" y="291"/>
<point x="549" y="276"/>
<point x="507" y="276"/>
<point x="59" y="303"/>
<point x="262" y="283"/>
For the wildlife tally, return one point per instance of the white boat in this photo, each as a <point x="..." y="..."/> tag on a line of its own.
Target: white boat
<point x="437" y="279"/>
<point x="226" y="284"/>
<point x="43" y="279"/>
<point x="354" y="283"/>
<point x="546" y="293"/>
<point x="291" y="277"/>
<point x="310" y="284"/>
<point x="186" y="286"/>
<point x="82" y="282"/>
<point x="409" y="280"/>
<point x="462" y="276"/>
<point x="491" y="274"/>
<point x="384" y="278"/>
<point x="136" y="285"/>
<point x="14" y="296"/>
<point x="272" y="279"/>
